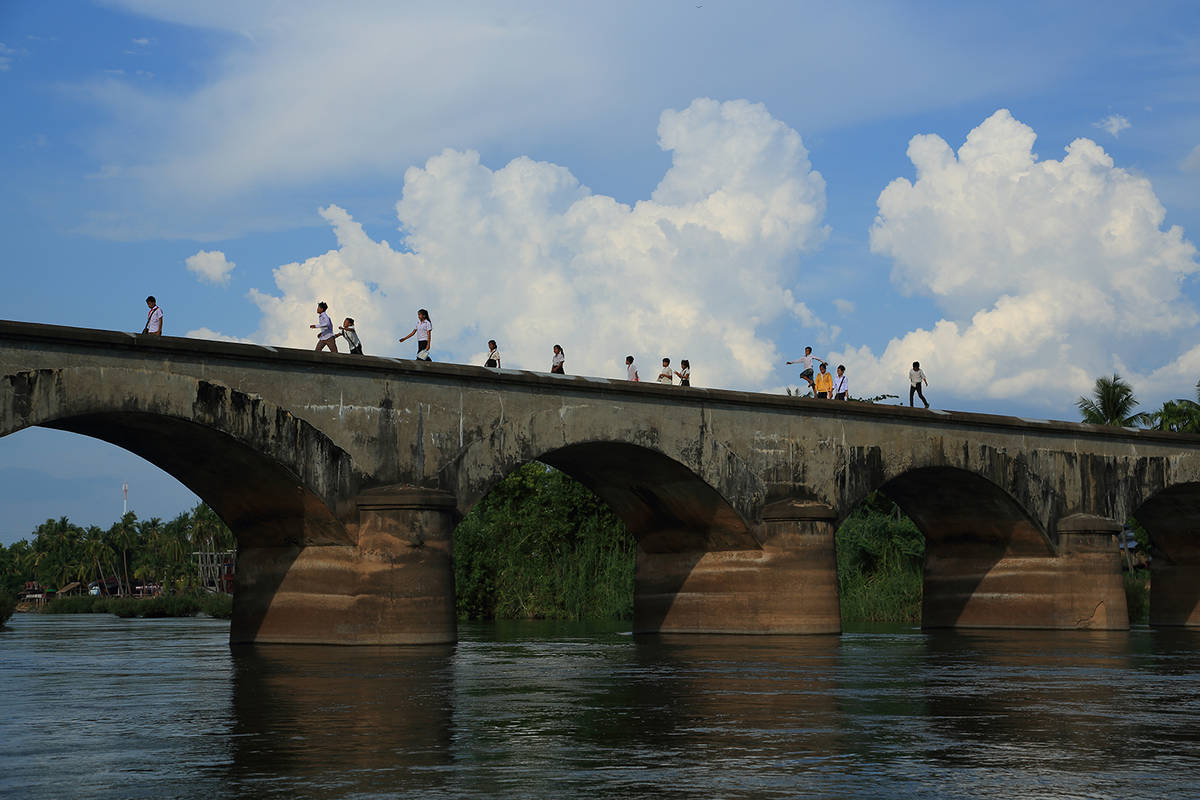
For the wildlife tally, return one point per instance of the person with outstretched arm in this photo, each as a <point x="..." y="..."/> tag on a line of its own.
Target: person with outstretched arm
<point x="806" y="361"/>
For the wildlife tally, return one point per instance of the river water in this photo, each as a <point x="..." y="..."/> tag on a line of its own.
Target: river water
<point x="92" y="706"/>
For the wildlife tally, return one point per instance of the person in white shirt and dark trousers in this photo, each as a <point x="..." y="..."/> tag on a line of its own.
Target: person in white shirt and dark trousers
<point x="841" y="387"/>
<point x="424" y="334"/>
<point x="154" y="319"/>
<point x="916" y="376"/>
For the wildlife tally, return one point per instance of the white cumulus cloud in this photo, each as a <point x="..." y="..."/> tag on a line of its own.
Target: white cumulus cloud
<point x="210" y="266"/>
<point x="1114" y="124"/>
<point x="1049" y="272"/>
<point x="527" y="255"/>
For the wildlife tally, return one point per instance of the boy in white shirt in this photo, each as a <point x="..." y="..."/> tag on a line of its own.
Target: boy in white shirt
<point x="630" y="369"/>
<point x="916" y="376"/>
<point x="324" y="327"/>
<point x="806" y="361"/>
<point x="665" y="375"/>
<point x="154" y="319"/>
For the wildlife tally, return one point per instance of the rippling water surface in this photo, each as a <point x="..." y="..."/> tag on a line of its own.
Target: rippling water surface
<point x="95" y="706"/>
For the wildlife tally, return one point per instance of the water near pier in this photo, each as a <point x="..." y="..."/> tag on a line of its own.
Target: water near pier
<point x="95" y="706"/>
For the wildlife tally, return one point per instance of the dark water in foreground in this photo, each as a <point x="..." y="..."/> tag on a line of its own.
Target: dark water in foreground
<point x="95" y="706"/>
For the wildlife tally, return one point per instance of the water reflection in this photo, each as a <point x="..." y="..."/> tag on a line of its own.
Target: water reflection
<point x="102" y="707"/>
<point x="341" y="720"/>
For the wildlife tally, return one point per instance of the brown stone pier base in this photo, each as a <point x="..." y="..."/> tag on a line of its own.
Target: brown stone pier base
<point x="788" y="586"/>
<point x="396" y="586"/>
<point x="1077" y="588"/>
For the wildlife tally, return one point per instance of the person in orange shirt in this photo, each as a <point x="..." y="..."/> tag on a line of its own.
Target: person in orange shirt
<point x="823" y="382"/>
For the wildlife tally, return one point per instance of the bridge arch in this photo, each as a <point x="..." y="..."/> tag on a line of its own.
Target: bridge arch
<point x="272" y="477"/>
<point x="663" y="503"/>
<point x="1171" y="517"/>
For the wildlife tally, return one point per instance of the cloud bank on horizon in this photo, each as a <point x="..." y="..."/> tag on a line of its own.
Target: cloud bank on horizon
<point x="528" y="256"/>
<point x="1048" y="272"/>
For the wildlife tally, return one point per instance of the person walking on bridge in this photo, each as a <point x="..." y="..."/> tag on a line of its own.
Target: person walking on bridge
<point x="493" y="357"/>
<point x="806" y="361"/>
<point x="154" y="319"/>
<point x="916" y="376"/>
<point x="424" y="334"/>
<point x="630" y="369"/>
<point x="558" y="361"/>
<point x="841" y="387"/>
<point x="823" y="383"/>
<point x="324" y="327"/>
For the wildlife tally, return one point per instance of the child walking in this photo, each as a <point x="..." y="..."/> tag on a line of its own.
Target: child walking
<point x="685" y="377"/>
<point x="351" y="336"/>
<point x="424" y="334"/>
<point x="916" y="376"/>
<point x="558" y="360"/>
<point x="665" y="375"/>
<point x="325" y="335"/>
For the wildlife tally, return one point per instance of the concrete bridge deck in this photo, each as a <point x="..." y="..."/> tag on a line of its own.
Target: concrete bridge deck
<point x="344" y="476"/>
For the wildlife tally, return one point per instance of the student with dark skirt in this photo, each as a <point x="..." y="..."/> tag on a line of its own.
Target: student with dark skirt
<point x="493" y="359"/>
<point x="685" y="375"/>
<point x="424" y="334"/>
<point x="558" y="360"/>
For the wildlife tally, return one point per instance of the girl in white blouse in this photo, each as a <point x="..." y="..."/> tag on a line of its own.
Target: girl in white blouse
<point x="493" y="359"/>
<point x="557" y="361"/>
<point x="424" y="334"/>
<point x="685" y="377"/>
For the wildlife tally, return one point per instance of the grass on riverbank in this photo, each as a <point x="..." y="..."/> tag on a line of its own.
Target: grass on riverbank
<point x="880" y="563"/>
<point x="219" y="606"/>
<point x="541" y="546"/>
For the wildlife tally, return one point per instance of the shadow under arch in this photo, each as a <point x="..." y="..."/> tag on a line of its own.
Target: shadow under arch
<point x="1171" y="517"/>
<point x="279" y="483"/>
<point x="685" y="531"/>
<point x="665" y="505"/>
<point x="974" y="531"/>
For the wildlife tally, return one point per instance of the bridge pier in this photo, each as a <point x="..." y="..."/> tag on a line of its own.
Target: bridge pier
<point x="1078" y="588"/>
<point x="787" y="586"/>
<point x="396" y="586"/>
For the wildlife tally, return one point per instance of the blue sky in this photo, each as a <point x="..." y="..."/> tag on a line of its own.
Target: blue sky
<point x="720" y="181"/>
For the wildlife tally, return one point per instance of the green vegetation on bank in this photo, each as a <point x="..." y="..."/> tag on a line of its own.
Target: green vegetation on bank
<point x="128" y="554"/>
<point x="880" y="564"/>
<point x="541" y="546"/>
<point x="175" y="605"/>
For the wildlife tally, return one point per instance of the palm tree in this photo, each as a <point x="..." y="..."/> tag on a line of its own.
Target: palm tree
<point x="1180" y="416"/>
<point x="1112" y="403"/>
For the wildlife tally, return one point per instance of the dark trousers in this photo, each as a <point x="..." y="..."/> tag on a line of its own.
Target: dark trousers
<point x="917" y="391"/>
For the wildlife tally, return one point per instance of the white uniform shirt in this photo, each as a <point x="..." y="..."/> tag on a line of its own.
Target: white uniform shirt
<point x="351" y="337"/>
<point x="807" y="361"/>
<point x="915" y="376"/>
<point x="666" y="376"/>
<point x="631" y="371"/>
<point x="685" y="374"/>
<point x="324" y="327"/>
<point x="840" y="385"/>
<point x="154" y="320"/>
<point x="424" y="328"/>
<point x="558" y="359"/>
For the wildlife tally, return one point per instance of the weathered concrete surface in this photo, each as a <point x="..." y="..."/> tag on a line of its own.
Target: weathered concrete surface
<point x="286" y="445"/>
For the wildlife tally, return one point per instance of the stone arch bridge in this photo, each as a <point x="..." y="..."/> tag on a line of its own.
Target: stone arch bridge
<point x="343" y="478"/>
